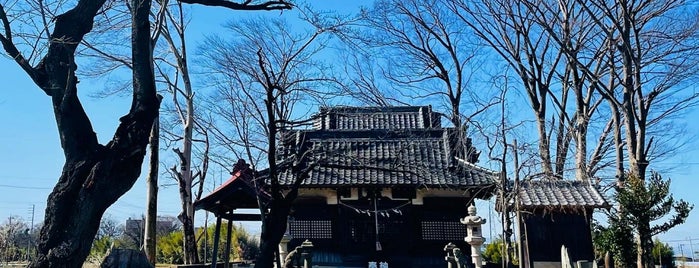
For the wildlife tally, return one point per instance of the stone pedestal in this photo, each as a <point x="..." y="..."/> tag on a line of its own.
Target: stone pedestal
<point x="450" y="258"/>
<point x="306" y="250"/>
<point x="474" y="234"/>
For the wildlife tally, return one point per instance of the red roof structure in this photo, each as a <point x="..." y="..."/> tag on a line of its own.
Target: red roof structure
<point x="236" y="193"/>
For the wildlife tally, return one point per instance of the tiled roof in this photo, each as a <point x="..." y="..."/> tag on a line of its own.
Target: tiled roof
<point x="368" y="118"/>
<point x="385" y="157"/>
<point x="560" y="194"/>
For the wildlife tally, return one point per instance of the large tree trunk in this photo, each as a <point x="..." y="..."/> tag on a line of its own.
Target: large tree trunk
<point x="628" y="87"/>
<point x="87" y="187"/>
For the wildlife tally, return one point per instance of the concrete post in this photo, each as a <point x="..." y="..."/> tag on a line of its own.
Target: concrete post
<point x="474" y="236"/>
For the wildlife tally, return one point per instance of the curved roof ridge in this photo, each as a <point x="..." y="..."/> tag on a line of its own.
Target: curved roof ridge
<point x="474" y="166"/>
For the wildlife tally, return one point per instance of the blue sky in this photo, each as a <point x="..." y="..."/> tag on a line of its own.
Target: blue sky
<point x="32" y="159"/>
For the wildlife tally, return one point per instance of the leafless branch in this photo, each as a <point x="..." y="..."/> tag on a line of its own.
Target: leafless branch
<point x="246" y="5"/>
<point x="13" y="52"/>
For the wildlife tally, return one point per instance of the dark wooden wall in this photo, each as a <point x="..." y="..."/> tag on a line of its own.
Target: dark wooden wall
<point x="415" y="237"/>
<point x="547" y="233"/>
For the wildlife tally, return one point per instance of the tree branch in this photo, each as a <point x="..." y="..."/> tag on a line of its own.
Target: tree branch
<point x="180" y="155"/>
<point x="247" y="5"/>
<point x="12" y="51"/>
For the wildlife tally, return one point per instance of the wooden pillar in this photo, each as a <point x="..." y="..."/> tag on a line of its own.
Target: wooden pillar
<point x="525" y="258"/>
<point x="217" y="237"/>
<point x="414" y="220"/>
<point x="414" y="216"/>
<point x="227" y="253"/>
<point x="340" y="231"/>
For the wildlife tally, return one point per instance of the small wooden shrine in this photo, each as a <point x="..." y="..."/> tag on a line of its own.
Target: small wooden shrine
<point x="557" y="213"/>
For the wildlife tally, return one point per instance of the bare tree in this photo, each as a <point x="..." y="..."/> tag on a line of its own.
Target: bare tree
<point x="109" y="227"/>
<point x="584" y="47"/>
<point x="14" y="236"/>
<point x="529" y="55"/>
<point x="626" y="53"/>
<point x="94" y="175"/>
<point x="424" y="53"/>
<point x="533" y="43"/>
<point x="265" y="71"/>
<point x="180" y="89"/>
<point x="653" y="49"/>
<point x="655" y="57"/>
<point x="650" y="60"/>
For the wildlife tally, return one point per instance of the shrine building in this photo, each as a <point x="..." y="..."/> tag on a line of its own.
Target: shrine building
<point x="390" y="185"/>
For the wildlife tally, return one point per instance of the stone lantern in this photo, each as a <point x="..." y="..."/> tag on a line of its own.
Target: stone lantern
<point x="474" y="234"/>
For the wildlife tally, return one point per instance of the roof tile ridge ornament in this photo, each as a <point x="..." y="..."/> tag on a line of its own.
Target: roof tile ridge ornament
<point x="241" y="165"/>
<point x="472" y="165"/>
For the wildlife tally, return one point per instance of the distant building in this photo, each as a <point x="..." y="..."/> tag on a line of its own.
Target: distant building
<point x="134" y="228"/>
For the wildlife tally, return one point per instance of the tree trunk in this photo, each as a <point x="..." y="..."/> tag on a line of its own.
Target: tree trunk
<point x="627" y="85"/>
<point x="644" y="245"/>
<point x="618" y="147"/>
<point x="544" y="145"/>
<point x="190" y="242"/>
<point x="152" y="194"/>
<point x="273" y="229"/>
<point x="85" y="190"/>
<point x="185" y="183"/>
<point x="581" y="171"/>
